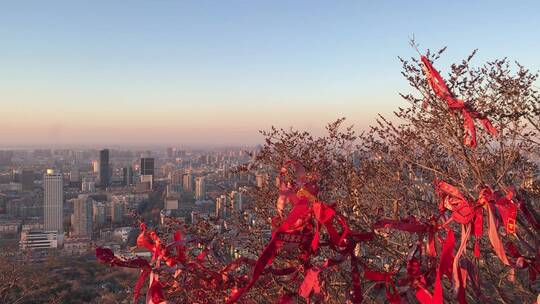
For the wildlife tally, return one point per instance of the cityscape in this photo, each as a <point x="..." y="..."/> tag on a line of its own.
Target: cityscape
<point x="287" y="152"/>
<point x="71" y="200"/>
<point x="67" y="202"/>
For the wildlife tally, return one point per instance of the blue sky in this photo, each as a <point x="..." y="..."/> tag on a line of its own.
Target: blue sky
<point x="200" y="72"/>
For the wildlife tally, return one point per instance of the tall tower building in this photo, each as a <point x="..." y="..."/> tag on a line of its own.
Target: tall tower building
<point x="222" y="206"/>
<point x="53" y="201"/>
<point x="104" y="171"/>
<point x="82" y="218"/>
<point x="147" y="166"/>
<point x="200" y="188"/>
<point x="188" y="182"/>
<point x="95" y="166"/>
<point x="99" y="214"/>
<point x="128" y="175"/>
<point x="117" y="211"/>
<point x="236" y="200"/>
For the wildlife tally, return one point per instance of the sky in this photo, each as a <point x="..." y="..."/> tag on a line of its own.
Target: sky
<point x="215" y="72"/>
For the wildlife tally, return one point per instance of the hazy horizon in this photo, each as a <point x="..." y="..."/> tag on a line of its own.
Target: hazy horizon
<point x="133" y="147"/>
<point x="215" y="73"/>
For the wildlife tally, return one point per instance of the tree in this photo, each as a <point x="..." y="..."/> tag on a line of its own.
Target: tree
<point x="406" y="183"/>
<point x="400" y="159"/>
<point x="67" y="280"/>
<point x="425" y="141"/>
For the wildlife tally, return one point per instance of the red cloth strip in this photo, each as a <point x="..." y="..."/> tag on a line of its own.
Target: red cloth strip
<point x="439" y="87"/>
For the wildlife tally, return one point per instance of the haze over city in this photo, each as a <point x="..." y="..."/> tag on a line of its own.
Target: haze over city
<point x="246" y="152"/>
<point x="214" y="73"/>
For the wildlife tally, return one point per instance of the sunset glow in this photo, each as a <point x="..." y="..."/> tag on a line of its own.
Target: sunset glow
<point x="164" y="72"/>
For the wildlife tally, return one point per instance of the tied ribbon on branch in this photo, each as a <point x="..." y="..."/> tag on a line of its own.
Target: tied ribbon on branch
<point x="415" y="277"/>
<point x="106" y="256"/>
<point x="412" y="225"/>
<point x="392" y="294"/>
<point x="160" y="252"/>
<point x="470" y="215"/>
<point x="439" y="87"/>
<point x="305" y="221"/>
<point x="172" y="258"/>
<point x="466" y="213"/>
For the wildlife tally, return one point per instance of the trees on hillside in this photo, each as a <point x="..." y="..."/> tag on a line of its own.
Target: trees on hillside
<point x="60" y="280"/>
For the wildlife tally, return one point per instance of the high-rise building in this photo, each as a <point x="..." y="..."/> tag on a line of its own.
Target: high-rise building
<point x="200" y="188"/>
<point x="99" y="213"/>
<point x="95" y="166"/>
<point x="147" y="166"/>
<point x="221" y="206"/>
<point x="117" y="211"/>
<point x="27" y="180"/>
<point x="74" y="175"/>
<point x="236" y="200"/>
<point x="104" y="171"/>
<point x="188" y="182"/>
<point x="82" y="218"/>
<point x="53" y="201"/>
<point x="128" y="175"/>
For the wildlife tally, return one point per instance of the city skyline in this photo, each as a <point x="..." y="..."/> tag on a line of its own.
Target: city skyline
<point x="168" y="73"/>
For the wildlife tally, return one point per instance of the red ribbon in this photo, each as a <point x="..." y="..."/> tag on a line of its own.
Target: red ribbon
<point x="508" y="212"/>
<point x="440" y="89"/>
<point x="105" y="255"/>
<point x="487" y="199"/>
<point x="464" y="213"/>
<point x="417" y="281"/>
<point x="445" y="266"/>
<point x="155" y="291"/>
<point x="310" y="283"/>
<point x="412" y="225"/>
<point x="305" y="219"/>
<point x="392" y="294"/>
